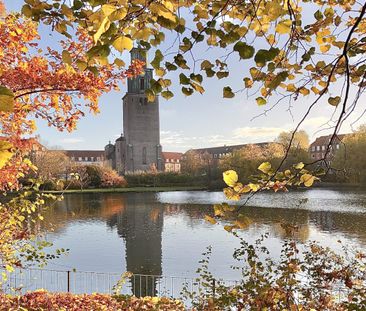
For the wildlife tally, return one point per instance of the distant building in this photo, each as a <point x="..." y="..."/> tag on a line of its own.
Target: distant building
<point x="86" y="157"/>
<point x="318" y="148"/>
<point x="138" y="148"/>
<point x="172" y="161"/>
<point x="214" y="154"/>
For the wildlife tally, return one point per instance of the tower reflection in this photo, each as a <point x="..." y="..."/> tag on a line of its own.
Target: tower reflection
<point x="140" y="224"/>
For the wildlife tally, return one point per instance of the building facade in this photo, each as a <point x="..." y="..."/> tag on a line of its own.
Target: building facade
<point x="86" y="157"/>
<point x="215" y="154"/>
<point x="172" y="161"/>
<point x="138" y="148"/>
<point x="319" y="147"/>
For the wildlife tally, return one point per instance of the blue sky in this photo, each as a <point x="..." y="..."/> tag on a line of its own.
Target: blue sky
<point x="195" y="121"/>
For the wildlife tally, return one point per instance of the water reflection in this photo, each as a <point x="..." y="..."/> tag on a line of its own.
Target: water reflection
<point x="166" y="232"/>
<point x="140" y="225"/>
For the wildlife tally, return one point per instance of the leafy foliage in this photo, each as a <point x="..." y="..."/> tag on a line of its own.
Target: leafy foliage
<point x="41" y="300"/>
<point x="44" y="84"/>
<point x="306" y="277"/>
<point x="300" y="53"/>
<point x="348" y="162"/>
<point x="20" y="241"/>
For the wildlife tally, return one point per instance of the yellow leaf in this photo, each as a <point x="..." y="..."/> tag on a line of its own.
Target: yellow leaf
<point x="123" y="43"/>
<point x="325" y="48"/>
<point x="108" y="9"/>
<point x="5" y="152"/>
<point x="6" y="99"/>
<point x="210" y="219"/>
<point x="284" y="27"/>
<point x="119" y="62"/>
<point x="291" y="87"/>
<point x="230" y="178"/>
<point x="265" y="167"/>
<point x="103" y="27"/>
<point x="307" y="179"/>
<point x="304" y="91"/>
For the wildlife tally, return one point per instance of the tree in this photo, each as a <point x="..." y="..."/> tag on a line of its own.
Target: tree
<point x="47" y="85"/>
<point x="299" y="54"/>
<point x="350" y="158"/>
<point x="300" y="140"/>
<point x="246" y="160"/>
<point x="296" y="150"/>
<point x="51" y="164"/>
<point x="191" y="162"/>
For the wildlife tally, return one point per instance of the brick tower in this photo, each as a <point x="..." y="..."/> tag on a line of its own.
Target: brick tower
<point x="141" y="149"/>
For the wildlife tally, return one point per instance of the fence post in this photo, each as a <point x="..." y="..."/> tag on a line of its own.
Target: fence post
<point x="68" y="281"/>
<point x="213" y="288"/>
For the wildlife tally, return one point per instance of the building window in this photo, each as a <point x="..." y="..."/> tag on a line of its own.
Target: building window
<point x="177" y="161"/>
<point x="313" y="148"/>
<point x="144" y="155"/>
<point x="72" y="158"/>
<point x="323" y="147"/>
<point x="337" y="146"/>
<point x="142" y="84"/>
<point x="86" y="158"/>
<point x="98" y="159"/>
<point x="317" y="148"/>
<point x="92" y="159"/>
<point x="80" y="159"/>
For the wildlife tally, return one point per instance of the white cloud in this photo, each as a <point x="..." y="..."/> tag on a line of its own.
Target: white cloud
<point x="70" y="140"/>
<point x="177" y="141"/>
<point x="257" y="134"/>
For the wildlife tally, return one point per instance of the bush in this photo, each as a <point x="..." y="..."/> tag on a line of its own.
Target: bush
<point x="147" y="179"/>
<point x="110" y="179"/>
<point x="41" y="300"/>
<point x="52" y="185"/>
<point x="95" y="176"/>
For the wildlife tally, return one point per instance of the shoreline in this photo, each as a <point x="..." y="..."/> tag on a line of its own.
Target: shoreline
<point x="131" y="189"/>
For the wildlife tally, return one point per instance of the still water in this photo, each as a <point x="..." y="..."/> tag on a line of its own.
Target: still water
<point x="165" y="233"/>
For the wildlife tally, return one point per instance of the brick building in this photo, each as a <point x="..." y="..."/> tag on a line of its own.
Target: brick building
<point x="318" y="148"/>
<point x="138" y="148"/>
<point x="172" y="161"/>
<point x="86" y="157"/>
<point x="214" y="154"/>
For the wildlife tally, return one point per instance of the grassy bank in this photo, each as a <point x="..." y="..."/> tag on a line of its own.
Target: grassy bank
<point x="131" y="189"/>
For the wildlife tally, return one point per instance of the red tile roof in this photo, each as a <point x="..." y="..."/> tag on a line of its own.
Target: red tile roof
<point x="85" y="153"/>
<point x="172" y="155"/>
<point x="324" y="140"/>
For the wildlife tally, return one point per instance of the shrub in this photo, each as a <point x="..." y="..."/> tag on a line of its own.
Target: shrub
<point x="147" y="179"/>
<point x="52" y="185"/>
<point x="95" y="175"/>
<point x="41" y="300"/>
<point x="110" y="179"/>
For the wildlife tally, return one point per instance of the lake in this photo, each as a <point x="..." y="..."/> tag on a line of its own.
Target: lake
<point x="165" y="233"/>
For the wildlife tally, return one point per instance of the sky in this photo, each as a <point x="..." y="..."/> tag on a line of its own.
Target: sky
<point x="197" y="121"/>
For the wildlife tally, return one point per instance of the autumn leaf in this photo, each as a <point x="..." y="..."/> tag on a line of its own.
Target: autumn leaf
<point x="307" y="179"/>
<point x="210" y="219"/>
<point x="5" y="152"/>
<point x="230" y="178"/>
<point x="245" y="51"/>
<point x="284" y="26"/>
<point x="227" y="92"/>
<point x="334" y="101"/>
<point x="265" y="167"/>
<point x="6" y="99"/>
<point x="123" y="43"/>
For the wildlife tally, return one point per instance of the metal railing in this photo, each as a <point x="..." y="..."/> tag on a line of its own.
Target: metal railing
<point x="140" y="285"/>
<point x="80" y="282"/>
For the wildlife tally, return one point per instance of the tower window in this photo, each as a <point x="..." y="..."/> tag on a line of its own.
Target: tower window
<point x="144" y="155"/>
<point x="142" y="84"/>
